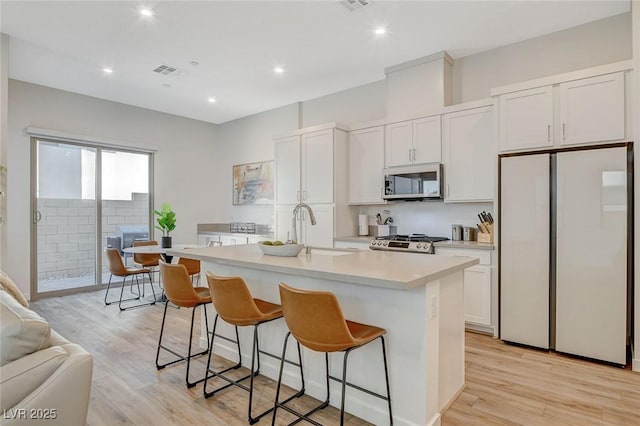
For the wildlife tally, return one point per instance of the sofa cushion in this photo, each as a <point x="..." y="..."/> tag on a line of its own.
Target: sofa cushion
<point x="9" y="286"/>
<point x="22" y="331"/>
<point x="21" y="377"/>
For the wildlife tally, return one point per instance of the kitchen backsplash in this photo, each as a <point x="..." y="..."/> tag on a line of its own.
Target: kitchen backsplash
<point x="431" y="218"/>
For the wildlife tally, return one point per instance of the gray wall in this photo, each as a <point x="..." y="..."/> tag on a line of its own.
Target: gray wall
<point x="183" y="161"/>
<point x="597" y="43"/>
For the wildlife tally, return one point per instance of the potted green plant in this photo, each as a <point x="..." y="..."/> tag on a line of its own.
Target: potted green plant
<point x="166" y="223"/>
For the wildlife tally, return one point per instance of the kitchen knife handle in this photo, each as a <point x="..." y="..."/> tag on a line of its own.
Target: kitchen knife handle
<point x="549" y="132"/>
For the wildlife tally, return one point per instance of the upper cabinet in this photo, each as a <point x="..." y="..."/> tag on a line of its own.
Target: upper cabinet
<point x="526" y="119"/>
<point x="366" y="161"/>
<point x="287" y="170"/>
<point x="413" y="142"/>
<point x="573" y="112"/>
<point x="592" y="109"/>
<point x="305" y="168"/>
<point x="469" y="155"/>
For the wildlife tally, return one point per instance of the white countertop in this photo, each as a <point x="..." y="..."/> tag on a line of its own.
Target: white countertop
<point x="373" y="268"/>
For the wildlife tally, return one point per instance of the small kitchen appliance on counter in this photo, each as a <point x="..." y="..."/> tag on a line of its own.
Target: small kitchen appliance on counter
<point x="415" y="243"/>
<point x="456" y="232"/>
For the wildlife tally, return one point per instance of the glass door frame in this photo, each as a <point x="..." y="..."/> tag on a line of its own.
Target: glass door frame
<point x="99" y="147"/>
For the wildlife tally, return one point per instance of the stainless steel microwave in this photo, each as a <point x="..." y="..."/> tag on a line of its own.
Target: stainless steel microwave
<point x="413" y="182"/>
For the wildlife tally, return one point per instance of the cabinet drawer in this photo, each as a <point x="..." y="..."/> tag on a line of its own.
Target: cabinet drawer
<point x="483" y="255"/>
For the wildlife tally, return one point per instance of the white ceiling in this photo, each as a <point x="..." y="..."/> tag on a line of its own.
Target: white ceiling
<point x="323" y="47"/>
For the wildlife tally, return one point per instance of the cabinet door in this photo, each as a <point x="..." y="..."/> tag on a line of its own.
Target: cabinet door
<point x="477" y="295"/>
<point x="287" y="176"/>
<point x="526" y="119"/>
<point x="320" y="234"/>
<point x="469" y="155"/>
<point x="317" y="167"/>
<point x="283" y="223"/>
<point x="398" y="144"/>
<point x="366" y="161"/>
<point x="592" y="109"/>
<point x="427" y="140"/>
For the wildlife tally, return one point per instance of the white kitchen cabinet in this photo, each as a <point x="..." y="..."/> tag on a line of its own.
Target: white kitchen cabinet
<point x="366" y="162"/>
<point x="224" y="239"/>
<point x="318" y="235"/>
<point x="320" y="154"/>
<point x="477" y="295"/>
<point x="413" y="142"/>
<point x="526" y="119"/>
<point x="477" y="287"/>
<point x="469" y="155"/>
<point x="304" y="167"/>
<point x="567" y="111"/>
<point x="317" y="167"/>
<point x="232" y="240"/>
<point x="287" y="170"/>
<point x="592" y="109"/>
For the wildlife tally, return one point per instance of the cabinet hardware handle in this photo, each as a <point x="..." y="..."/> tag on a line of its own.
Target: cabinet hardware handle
<point x="447" y="190"/>
<point x="563" y="132"/>
<point x="409" y="154"/>
<point x="37" y="216"/>
<point x="297" y="195"/>
<point x="414" y="154"/>
<point x="304" y="195"/>
<point x="549" y="132"/>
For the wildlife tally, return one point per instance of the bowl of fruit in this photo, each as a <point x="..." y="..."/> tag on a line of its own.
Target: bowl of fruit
<point x="278" y="248"/>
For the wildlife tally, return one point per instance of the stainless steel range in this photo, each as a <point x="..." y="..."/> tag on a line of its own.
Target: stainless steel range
<point x="416" y="243"/>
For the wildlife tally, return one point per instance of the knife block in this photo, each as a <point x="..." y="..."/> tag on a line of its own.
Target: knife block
<point x="486" y="237"/>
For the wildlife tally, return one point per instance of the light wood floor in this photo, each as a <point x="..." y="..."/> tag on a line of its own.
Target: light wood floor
<point x="505" y="384"/>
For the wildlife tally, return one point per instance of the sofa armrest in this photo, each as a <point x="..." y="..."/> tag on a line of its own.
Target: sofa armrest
<point x="62" y="392"/>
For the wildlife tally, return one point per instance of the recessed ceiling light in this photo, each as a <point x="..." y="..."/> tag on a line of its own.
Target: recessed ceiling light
<point x="107" y="70"/>
<point x="380" y="31"/>
<point x="194" y="63"/>
<point x="167" y="85"/>
<point x="212" y="100"/>
<point x="278" y="70"/>
<point x="146" y="12"/>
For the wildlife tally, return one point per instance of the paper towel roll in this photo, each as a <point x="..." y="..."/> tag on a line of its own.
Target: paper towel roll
<point x="363" y="224"/>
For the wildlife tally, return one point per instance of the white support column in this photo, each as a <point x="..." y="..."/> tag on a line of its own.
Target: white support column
<point x="635" y="19"/>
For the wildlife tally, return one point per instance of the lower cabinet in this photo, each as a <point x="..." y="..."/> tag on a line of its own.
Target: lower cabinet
<point x="477" y="285"/>
<point x="477" y="295"/>
<point x="318" y="235"/>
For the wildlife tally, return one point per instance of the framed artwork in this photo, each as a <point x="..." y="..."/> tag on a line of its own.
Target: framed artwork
<point x="253" y="183"/>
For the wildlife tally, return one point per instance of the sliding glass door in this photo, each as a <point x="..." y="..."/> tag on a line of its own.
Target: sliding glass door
<point x="85" y="198"/>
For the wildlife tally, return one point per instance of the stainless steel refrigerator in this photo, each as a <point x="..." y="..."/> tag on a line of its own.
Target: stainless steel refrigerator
<point x="565" y="241"/>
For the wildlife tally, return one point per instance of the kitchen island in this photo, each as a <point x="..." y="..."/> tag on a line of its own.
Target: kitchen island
<point x="418" y="299"/>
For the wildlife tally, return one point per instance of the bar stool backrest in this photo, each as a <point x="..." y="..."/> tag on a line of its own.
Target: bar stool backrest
<point x="192" y="265"/>
<point x="116" y="266"/>
<point x="177" y="285"/>
<point x="151" y="259"/>
<point x="315" y="319"/>
<point x="232" y="300"/>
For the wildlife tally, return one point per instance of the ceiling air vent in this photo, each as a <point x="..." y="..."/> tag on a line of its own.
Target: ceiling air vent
<point x="167" y="70"/>
<point x="355" y="4"/>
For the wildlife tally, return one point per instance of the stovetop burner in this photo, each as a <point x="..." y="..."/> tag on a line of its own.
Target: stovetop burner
<point x="412" y="237"/>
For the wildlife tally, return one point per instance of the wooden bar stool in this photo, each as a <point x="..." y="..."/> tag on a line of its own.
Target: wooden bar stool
<point x="117" y="268"/>
<point x="180" y="292"/>
<point x="316" y="320"/>
<point x="236" y="306"/>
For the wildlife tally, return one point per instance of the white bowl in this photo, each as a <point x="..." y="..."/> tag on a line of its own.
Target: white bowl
<point x="286" y="250"/>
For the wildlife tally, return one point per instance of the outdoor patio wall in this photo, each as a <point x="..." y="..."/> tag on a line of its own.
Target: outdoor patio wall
<point x="67" y="232"/>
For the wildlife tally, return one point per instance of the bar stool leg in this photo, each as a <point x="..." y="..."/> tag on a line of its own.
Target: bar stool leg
<point x="386" y="377"/>
<point x="107" y="292"/>
<point x="344" y="383"/>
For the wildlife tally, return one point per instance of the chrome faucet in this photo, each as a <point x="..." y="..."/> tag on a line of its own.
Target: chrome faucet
<point x="294" y="236"/>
